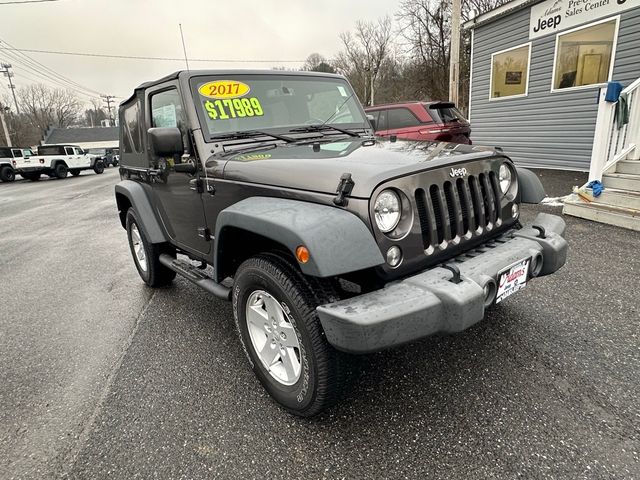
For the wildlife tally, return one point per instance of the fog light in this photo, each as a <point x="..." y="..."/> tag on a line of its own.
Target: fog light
<point x="394" y="256"/>
<point x="515" y="210"/>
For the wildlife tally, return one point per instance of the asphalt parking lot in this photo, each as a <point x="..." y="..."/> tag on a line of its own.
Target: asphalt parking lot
<point x="104" y="378"/>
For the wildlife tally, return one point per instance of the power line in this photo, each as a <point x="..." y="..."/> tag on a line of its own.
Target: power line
<point x="27" y="1"/>
<point x="36" y="66"/>
<point x="139" y="57"/>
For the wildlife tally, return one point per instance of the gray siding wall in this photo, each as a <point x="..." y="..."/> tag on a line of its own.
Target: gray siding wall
<point x="544" y="129"/>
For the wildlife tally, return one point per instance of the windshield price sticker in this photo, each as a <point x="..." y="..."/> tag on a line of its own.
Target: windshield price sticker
<point x="233" y="108"/>
<point x="224" y="89"/>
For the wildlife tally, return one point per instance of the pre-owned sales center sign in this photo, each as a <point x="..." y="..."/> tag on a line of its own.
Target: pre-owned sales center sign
<point x="555" y="15"/>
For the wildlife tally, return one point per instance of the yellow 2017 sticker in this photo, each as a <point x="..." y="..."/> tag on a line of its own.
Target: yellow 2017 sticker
<point x="233" y="108"/>
<point x="224" y="89"/>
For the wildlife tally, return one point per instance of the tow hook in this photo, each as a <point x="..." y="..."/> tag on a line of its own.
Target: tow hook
<point x="456" y="273"/>
<point x="541" y="230"/>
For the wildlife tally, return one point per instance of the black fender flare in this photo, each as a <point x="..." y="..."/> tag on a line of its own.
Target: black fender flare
<point x="530" y="186"/>
<point x="338" y="241"/>
<point x="138" y="199"/>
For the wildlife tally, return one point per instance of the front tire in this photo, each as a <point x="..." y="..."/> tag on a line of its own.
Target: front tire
<point x="146" y="255"/>
<point x="61" y="171"/>
<point x="98" y="167"/>
<point x="7" y="174"/>
<point x="274" y="307"/>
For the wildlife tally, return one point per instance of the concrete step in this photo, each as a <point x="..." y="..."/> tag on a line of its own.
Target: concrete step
<point x="622" y="181"/>
<point x="619" y="198"/>
<point x="599" y="212"/>
<point x="628" y="166"/>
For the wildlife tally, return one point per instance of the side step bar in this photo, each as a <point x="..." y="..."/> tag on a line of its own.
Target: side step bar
<point x="196" y="276"/>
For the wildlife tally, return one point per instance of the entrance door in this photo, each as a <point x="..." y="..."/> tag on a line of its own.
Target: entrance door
<point x="179" y="203"/>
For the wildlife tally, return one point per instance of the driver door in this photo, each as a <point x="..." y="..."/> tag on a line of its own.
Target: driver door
<point x="177" y="199"/>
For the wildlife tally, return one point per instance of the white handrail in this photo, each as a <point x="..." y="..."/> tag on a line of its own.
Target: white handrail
<point x="610" y="144"/>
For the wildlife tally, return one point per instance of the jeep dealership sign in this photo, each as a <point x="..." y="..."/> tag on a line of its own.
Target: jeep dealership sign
<point x="555" y="15"/>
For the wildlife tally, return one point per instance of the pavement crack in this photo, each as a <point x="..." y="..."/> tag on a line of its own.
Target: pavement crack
<point x="72" y="455"/>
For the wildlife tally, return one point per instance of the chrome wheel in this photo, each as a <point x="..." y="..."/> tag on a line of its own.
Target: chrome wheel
<point x="138" y="248"/>
<point x="273" y="337"/>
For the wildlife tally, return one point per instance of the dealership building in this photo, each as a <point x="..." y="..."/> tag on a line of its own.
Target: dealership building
<point x="539" y="71"/>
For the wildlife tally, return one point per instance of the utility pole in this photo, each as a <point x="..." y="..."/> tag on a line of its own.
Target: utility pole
<point x="8" y="73"/>
<point x="4" y="125"/>
<point x="454" y="62"/>
<point x="107" y="99"/>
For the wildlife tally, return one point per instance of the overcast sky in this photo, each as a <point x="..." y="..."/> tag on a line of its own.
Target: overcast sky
<point x="216" y="29"/>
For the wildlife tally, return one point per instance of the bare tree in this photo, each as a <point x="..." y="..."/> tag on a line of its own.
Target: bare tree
<point x="317" y="63"/>
<point x="425" y="29"/>
<point x="364" y="53"/>
<point x="45" y="107"/>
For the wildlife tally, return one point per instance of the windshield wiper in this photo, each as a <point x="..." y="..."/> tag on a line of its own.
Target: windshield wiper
<point x="322" y="128"/>
<point x="251" y="148"/>
<point x="250" y="134"/>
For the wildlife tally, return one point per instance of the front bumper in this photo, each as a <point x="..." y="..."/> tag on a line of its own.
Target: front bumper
<point x="430" y="302"/>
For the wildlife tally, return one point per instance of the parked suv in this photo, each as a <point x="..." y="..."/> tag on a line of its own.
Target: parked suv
<point x="8" y="160"/>
<point x="269" y="189"/>
<point x="433" y="121"/>
<point x="109" y="156"/>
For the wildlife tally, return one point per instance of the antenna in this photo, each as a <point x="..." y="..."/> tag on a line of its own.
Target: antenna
<point x="184" y="48"/>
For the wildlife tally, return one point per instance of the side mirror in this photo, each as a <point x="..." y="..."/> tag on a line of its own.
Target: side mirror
<point x="373" y="122"/>
<point x="165" y="141"/>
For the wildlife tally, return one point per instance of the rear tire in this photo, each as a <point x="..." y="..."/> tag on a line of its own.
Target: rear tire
<point x="146" y="255"/>
<point x="61" y="171"/>
<point x="289" y="352"/>
<point x="98" y="167"/>
<point x="74" y="172"/>
<point x="7" y="174"/>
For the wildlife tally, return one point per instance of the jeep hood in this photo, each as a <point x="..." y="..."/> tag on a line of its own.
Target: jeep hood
<point x="369" y="163"/>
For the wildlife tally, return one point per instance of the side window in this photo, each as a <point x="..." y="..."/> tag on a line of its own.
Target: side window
<point x="17" y="153"/>
<point x="131" y="129"/>
<point x="68" y="151"/>
<point x="5" y="153"/>
<point x="401" y="118"/>
<point x="382" y="120"/>
<point x="167" y="111"/>
<point x="78" y="151"/>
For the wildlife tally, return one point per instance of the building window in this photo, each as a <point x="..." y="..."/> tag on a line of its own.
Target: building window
<point x="585" y="56"/>
<point x="510" y="72"/>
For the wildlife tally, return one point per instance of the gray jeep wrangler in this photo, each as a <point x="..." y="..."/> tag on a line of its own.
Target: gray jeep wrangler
<point x="269" y="189"/>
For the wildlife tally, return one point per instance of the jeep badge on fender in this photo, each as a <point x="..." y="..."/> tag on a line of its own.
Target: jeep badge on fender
<point x="269" y="189"/>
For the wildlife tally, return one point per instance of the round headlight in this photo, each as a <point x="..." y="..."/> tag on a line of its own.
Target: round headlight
<point x="504" y="175"/>
<point x="387" y="210"/>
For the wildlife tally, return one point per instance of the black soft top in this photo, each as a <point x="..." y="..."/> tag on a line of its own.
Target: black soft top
<point x="199" y="73"/>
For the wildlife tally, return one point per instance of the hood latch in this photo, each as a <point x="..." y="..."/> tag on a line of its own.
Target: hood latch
<point x="344" y="189"/>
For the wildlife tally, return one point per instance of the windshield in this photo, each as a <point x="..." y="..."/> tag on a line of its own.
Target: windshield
<point x="97" y="151"/>
<point x="239" y="103"/>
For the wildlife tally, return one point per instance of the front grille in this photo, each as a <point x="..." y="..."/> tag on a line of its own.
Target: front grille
<point x="458" y="209"/>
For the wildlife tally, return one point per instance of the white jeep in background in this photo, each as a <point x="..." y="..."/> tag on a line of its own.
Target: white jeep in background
<point x="57" y="161"/>
<point x="8" y="158"/>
